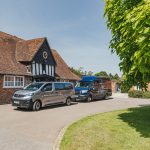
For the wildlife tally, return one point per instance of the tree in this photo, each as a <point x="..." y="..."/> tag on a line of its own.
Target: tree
<point x="116" y="77"/>
<point x="79" y="72"/>
<point x="129" y="22"/>
<point x="111" y="76"/>
<point x="102" y="73"/>
<point x="90" y="73"/>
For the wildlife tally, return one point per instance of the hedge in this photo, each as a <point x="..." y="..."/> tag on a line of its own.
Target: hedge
<point x="135" y="94"/>
<point x="139" y="94"/>
<point x="146" y="95"/>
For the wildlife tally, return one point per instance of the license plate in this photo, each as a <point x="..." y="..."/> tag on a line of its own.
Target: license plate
<point x="16" y="102"/>
<point x="75" y="96"/>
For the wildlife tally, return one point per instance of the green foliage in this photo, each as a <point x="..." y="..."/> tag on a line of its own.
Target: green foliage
<point x="110" y="76"/>
<point x="139" y="94"/>
<point x="89" y="73"/>
<point x="124" y="88"/>
<point x="146" y="95"/>
<point x="102" y="73"/>
<point x="129" y="22"/>
<point x="135" y="94"/>
<point x="116" y="77"/>
<point x="80" y="72"/>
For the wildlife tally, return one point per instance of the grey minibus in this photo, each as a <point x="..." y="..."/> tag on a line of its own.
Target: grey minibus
<point x="41" y="94"/>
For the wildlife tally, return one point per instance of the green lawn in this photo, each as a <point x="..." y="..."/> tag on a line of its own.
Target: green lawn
<point x="118" y="130"/>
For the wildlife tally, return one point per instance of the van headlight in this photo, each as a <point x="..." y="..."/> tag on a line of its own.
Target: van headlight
<point x="84" y="91"/>
<point x="31" y="94"/>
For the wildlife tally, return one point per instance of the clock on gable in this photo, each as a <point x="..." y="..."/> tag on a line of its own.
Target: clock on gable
<point x="45" y="55"/>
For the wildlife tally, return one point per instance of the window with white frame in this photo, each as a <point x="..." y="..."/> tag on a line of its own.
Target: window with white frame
<point x="13" y="81"/>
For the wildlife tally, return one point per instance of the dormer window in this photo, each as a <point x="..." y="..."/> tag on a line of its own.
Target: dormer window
<point x="28" y="69"/>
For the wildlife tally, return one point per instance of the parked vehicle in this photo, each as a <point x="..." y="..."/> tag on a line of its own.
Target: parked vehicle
<point x="92" y="87"/>
<point x="41" y="94"/>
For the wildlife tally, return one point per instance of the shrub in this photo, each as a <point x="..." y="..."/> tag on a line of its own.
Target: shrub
<point x="124" y="88"/>
<point x="146" y="95"/>
<point x="135" y="94"/>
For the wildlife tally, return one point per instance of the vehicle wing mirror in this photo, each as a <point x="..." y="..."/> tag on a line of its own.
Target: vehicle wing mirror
<point x="43" y="90"/>
<point x="93" y="88"/>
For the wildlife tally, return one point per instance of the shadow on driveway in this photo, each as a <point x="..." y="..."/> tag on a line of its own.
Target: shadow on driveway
<point x="95" y="100"/>
<point x="54" y="106"/>
<point x="138" y="118"/>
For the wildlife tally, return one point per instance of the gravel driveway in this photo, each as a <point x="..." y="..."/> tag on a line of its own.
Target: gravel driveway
<point x="27" y="130"/>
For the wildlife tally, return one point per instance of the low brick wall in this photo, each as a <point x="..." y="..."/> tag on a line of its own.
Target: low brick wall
<point x="7" y="93"/>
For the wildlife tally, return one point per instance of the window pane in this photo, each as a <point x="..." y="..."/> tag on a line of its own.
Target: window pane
<point x="59" y="86"/>
<point x="9" y="78"/>
<point x="21" y="84"/>
<point x="68" y="86"/>
<point x="48" y="87"/>
<point x="18" y="81"/>
<point x="9" y="83"/>
<point x="6" y="84"/>
<point x="12" y="81"/>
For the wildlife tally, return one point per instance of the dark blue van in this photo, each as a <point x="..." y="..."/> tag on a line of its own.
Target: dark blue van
<point x="92" y="87"/>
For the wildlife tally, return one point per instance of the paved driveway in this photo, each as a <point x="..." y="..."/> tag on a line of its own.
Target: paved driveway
<point x="27" y="130"/>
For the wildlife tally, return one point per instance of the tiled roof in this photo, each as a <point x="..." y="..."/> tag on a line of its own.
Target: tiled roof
<point x="8" y="62"/>
<point x="4" y="35"/>
<point x="25" y="50"/>
<point x="62" y="69"/>
<point x="14" y="50"/>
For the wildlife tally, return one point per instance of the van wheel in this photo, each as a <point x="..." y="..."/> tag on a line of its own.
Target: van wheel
<point x="68" y="102"/>
<point x="89" y="99"/>
<point x="106" y="96"/>
<point x="36" y="106"/>
<point x="18" y="108"/>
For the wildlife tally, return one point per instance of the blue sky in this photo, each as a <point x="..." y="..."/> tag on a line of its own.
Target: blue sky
<point x="75" y="28"/>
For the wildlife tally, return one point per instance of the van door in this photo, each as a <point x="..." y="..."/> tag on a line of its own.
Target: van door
<point x="101" y="91"/>
<point x="96" y="90"/>
<point x="48" y="96"/>
<point x="60" y="89"/>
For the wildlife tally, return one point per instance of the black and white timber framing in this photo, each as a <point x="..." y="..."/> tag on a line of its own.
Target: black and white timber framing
<point x="43" y="63"/>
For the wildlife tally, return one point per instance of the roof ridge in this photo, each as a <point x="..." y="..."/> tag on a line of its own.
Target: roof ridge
<point x="36" y="38"/>
<point x="10" y="35"/>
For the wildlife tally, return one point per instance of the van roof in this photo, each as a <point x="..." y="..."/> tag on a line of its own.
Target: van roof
<point x="93" y="78"/>
<point x="52" y="82"/>
<point x="90" y="78"/>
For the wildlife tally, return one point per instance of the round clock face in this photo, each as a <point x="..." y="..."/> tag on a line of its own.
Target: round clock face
<point x="45" y="55"/>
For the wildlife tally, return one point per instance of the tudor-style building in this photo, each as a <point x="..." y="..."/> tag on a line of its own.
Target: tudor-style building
<point x="24" y="61"/>
<point x="36" y="55"/>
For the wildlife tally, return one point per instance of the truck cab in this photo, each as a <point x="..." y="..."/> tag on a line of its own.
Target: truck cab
<point x="92" y="87"/>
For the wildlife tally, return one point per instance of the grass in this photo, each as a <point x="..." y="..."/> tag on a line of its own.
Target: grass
<point x="118" y="130"/>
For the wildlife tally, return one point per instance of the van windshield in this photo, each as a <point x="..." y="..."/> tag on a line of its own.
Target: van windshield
<point x="33" y="86"/>
<point x="84" y="84"/>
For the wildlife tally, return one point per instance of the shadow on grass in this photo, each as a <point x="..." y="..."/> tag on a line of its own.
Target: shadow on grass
<point x="138" y="118"/>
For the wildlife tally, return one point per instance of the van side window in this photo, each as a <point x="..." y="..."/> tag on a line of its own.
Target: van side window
<point x="68" y="86"/>
<point x="48" y="87"/>
<point x="59" y="86"/>
<point x="96" y="85"/>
